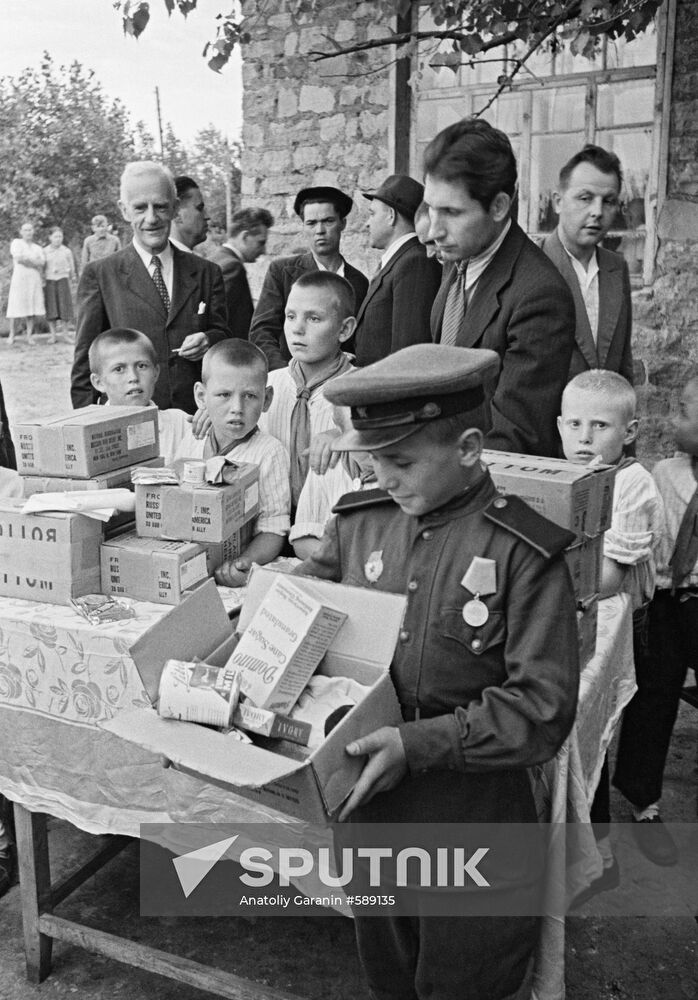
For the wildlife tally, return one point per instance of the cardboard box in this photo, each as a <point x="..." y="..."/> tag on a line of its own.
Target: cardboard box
<point x="587" y="623"/>
<point x="192" y="629"/>
<point x="117" y="479"/>
<point x="47" y="557"/>
<point x="114" y="480"/>
<point x="573" y="496"/>
<point x="585" y="561"/>
<point x="219" y="552"/>
<point x="314" y="788"/>
<point x="87" y="442"/>
<point x="281" y="647"/>
<point x="201" y="514"/>
<point x="151" y="569"/>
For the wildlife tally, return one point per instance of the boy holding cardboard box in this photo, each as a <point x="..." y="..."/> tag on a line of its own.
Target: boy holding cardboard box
<point x="597" y="424"/>
<point x="486" y="665"/>
<point x="234" y="392"/>
<point x="124" y="368"/>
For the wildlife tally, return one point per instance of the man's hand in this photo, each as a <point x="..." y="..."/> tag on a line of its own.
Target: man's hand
<point x="320" y="455"/>
<point x="385" y="768"/>
<point x="200" y="423"/>
<point x="194" y="346"/>
<point x="233" y="572"/>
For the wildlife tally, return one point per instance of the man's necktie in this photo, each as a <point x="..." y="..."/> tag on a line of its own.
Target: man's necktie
<point x="454" y="309"/>
<point x="159" y="282"/>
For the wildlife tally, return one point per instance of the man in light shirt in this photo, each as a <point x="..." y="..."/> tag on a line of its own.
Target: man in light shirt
<point x="247" y="240"/>
<point x="323" y="211"/>
<point x="499" y="290"/>
<point x="177" y="299"/>
<point x="586" y="202"/>
<point x="395" y="312"/>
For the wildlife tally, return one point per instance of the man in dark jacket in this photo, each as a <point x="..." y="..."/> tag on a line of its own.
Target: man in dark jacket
<point x="247" y="240"/>
<point x="587" y="203"/>
<point x="396" y="310"/>
<point x="177" y="299"/>
<point x="324" y="212"/>
<point x="499" y="290"/>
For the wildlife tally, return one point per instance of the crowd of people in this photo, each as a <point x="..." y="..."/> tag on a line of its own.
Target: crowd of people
<point x="374" y="400"/>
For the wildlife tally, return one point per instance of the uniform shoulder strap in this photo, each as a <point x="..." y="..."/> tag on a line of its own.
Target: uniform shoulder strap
<point x="360" y="500"/>
<point x="514" y="515"/>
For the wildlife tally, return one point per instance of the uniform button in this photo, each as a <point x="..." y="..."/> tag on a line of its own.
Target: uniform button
<point x="426" y="535"/>
<point x="476" y="644"/>
<point x="404" y="636"/>
<point x="412" y="585"/>
<point x="500" y="502"/>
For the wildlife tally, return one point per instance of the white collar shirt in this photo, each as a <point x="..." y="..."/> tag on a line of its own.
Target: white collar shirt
<point x="588" y="279"/>
<point x="477" y="265"/>
<point x="339" y="271"/>
<point x="394" y="247"/>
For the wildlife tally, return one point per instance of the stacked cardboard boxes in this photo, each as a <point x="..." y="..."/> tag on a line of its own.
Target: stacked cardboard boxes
<point x="54" y="557"/>
<point x="577" y="498"/>
<point x="182" y="534"/>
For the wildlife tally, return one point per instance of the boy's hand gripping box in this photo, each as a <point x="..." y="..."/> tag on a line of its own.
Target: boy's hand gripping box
<point x="574" y="496"/>
<point x="314" y="788"/>
<point x="47" y="557"/>
<point x="87" y="442"/>
<point x="201" y="513"/>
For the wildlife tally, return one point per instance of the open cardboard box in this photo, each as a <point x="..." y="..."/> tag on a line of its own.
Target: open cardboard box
<point x="312" y="789"/>
<point x="192" y="629"/>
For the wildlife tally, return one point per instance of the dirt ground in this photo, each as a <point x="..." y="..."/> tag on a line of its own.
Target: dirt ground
<point x="608" y="957"/>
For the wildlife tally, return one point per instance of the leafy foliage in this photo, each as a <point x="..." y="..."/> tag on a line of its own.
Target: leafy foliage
<point x="63" y="145"/>
<point x="473" y="27"/>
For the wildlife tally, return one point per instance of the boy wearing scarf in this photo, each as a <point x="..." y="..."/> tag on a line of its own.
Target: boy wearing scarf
<point x="234" y="392"/>
<point x="319" y="319"/>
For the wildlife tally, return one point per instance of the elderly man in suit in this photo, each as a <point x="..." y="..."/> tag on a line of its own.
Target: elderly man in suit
<point x="247" y="240"/>
<point x="396" y="310"/>
<point x="177" y="299"/>
<point x="324" y="212"/>
<point x="499" y="290"/>
<point x="586" y="203"/>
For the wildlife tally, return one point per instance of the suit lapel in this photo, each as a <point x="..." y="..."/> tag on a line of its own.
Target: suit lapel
<point x="138" y="281"/>
<point x="610" y="301"/>
<point x="184" y="282"/>
<point x="377" y="279"/>
<point x="583" y="335"/>
<point x="484" y="302"/>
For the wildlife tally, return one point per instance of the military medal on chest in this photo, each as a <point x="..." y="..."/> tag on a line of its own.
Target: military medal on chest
<point x="374" y="566"/>
<point x="480" y="580"/>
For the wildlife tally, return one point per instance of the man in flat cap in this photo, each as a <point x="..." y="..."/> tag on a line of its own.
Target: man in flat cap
<point x="396" y="310"/>
<point x="499" y="290"/>
<point x="485" y="669"/>
<point x="323" y="211"/>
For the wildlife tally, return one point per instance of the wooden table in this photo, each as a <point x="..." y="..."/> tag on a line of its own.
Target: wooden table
<point x="54" y="760"/>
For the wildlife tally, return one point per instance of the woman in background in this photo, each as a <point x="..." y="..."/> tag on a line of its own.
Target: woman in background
<point x="26" y="296"/>
<point x="60" y="270"/>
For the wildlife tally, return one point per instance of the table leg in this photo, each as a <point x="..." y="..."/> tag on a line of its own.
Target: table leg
<point x="35" y="889"/>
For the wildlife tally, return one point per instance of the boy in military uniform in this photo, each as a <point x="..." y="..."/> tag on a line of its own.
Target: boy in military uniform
<point x="486" y="667"/>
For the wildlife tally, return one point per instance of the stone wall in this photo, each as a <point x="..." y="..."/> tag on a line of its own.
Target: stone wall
<point x="309" y="122"/>
<point x="666" y="316"/>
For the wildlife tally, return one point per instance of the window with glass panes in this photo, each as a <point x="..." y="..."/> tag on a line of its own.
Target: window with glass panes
<point x="559" y="102"/>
